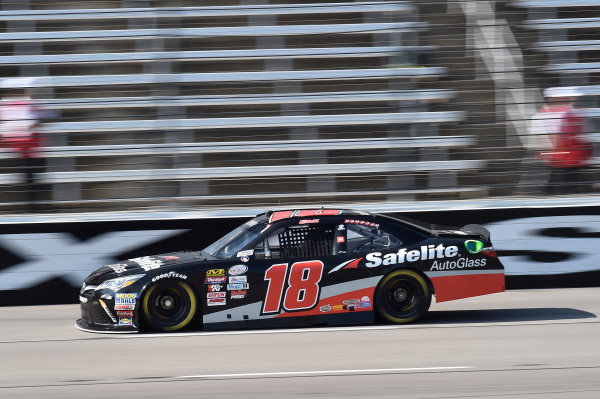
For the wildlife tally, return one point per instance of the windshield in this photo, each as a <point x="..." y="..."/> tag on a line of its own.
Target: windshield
<point x="230" y="244"/>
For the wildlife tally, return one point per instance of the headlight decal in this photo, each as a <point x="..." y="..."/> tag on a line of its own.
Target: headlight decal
<point x="116" y="284"/>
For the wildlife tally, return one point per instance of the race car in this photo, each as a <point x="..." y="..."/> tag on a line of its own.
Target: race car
<point x="296" y="268"/>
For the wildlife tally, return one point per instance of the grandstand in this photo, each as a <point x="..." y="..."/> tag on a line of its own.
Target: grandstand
<point x="274" y="103"/>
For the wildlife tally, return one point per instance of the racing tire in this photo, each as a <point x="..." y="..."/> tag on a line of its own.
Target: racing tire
<point x="402" y="297"/>
<point x="169" y="305"/>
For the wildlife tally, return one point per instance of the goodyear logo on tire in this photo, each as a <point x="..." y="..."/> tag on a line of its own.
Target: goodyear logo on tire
<point x="215" y="272"/>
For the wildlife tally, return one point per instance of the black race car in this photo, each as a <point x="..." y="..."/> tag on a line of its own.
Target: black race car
<point x="296" y="268"/>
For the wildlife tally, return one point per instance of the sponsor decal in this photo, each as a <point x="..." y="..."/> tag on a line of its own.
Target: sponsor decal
<point x="171" y="257"/>
<point x="243" y="286"/>
<point x="338" y="307"/>
<point x="52" y="251"/>
<point x="215" y="272"/>
<point x="244" y="258"/>
<point x="236" y="270"/>
<point x="341" y="240"/>
<point x="125" y="321"/>
<point x="341" y="227"/>
<point x="361" y="222"/>
<point x="215" y="280"/>
<point x="403" y="255"/>
<point x="215" y="287"/>
<point x="460" y="263"/>
<point x="211" y="295"/>
<point x="364" y="305"/>
<point x="238" y="279"/>
<point x="538" y="245"/>
<point x="248" y="252"/>
<point x="148" y="263"/>
<point x="349" y="264"/>
<point x="169" y="275"/>
<point x="216" y="301"/>
<point x="82" y="299"/>
<point x="350" y="301"/>
<point x="238" y="294"/>
<point x="302" y="213"/>
<point x="365" y="299"/>
<point x="325" y="308"/>
<point x="311" y="212"/>
<point x="473" y="246"/>
<point x="125" y="297"/>
<point x="128" y="313"/>
<point x="306" y="221"/>
<point x="119" y="267"/>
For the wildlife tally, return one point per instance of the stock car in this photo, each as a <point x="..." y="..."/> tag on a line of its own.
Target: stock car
<point x="296" y="268"/>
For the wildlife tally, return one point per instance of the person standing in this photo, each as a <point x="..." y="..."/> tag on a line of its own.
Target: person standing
<point x="20" y="118"/>
<point x="556" y="134"/>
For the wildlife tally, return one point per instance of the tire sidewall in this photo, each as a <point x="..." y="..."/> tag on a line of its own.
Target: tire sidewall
<point x="422" y="291"/>
<point x="189" y="303"/>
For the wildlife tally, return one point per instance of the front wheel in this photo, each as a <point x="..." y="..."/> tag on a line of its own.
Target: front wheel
<point x="402" y="297"/>
<point x="169" y="305"/>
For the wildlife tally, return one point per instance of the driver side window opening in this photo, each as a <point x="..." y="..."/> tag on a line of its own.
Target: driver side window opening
<point x="298" y="242"/>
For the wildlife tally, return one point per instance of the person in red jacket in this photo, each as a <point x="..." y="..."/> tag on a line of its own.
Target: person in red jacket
<point x="20" y="118"/>
<point x="559" y="130"/>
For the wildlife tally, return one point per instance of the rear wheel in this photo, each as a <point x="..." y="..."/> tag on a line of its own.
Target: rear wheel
<point x="169" y="305"/>
<point x="402" y="297"/>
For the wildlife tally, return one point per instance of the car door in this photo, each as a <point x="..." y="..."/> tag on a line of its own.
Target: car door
<point x="292" y="262"/>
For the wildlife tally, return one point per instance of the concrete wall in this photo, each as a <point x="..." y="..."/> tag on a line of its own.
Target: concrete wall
<point x="44" y="263"/>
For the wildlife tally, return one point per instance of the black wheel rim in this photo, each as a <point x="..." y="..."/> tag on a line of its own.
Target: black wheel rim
<point x="168" y="306"/>
<point x="402" y="297"/>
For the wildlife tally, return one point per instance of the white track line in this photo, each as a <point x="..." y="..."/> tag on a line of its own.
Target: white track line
<point x="323" y="372"/>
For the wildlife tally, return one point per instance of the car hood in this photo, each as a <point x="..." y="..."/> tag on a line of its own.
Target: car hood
<point x="143" y="264"/>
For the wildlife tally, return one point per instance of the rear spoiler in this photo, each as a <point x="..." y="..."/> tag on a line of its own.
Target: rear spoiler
<point x="476" y="229"/>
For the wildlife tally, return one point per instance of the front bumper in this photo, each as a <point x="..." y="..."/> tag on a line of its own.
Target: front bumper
<point x="98" y="314"/>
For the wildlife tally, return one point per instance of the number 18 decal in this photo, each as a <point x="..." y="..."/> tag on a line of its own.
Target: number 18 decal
<point x="303" y="286"/>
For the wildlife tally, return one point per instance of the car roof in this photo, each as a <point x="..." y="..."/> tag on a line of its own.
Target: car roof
<point x="289" y="214"/>
<point x="274" y="216"/>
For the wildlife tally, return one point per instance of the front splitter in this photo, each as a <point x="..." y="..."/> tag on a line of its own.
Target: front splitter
<point x="104" y="329"/>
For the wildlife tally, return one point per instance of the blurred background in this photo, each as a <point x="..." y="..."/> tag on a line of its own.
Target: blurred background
<point x="185" y="104"/>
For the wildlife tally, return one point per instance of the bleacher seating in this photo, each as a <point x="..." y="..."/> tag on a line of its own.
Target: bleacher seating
<point x="567" y="32"/>
<point x="250" y="146"/>
<point x="567" y="28"/>
<point x="209" y="99"/>
<point x="245" y="99"/>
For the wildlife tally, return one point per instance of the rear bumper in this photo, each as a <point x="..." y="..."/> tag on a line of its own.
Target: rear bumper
<point x="466" y="284"/>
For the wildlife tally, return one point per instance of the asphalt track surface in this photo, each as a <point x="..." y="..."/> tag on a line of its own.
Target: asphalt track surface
<point x="519" y="344"/>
